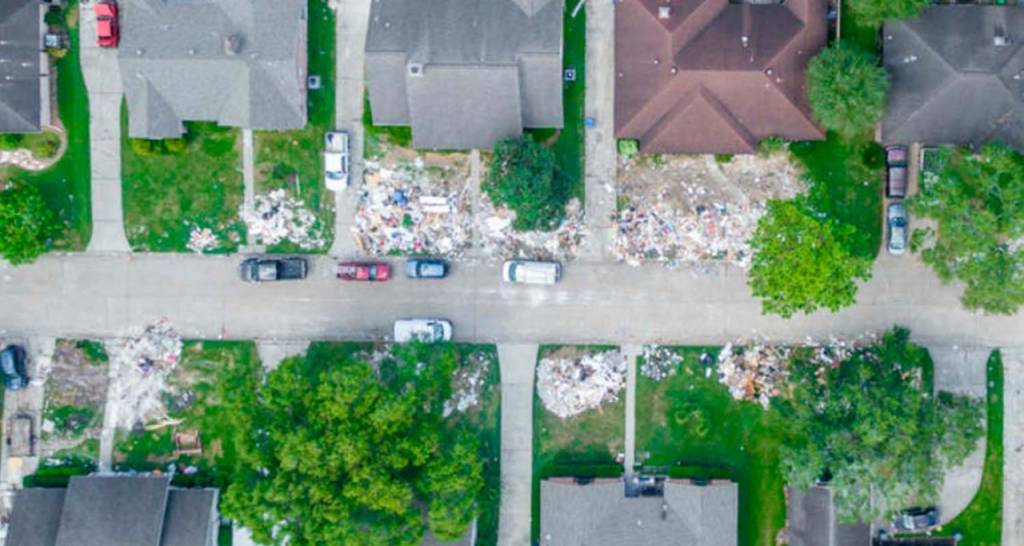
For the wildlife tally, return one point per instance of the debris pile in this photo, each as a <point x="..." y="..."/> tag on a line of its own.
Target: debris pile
<point x="498" y="238"/>
<point x="202" y="240"/>
<point x="569" y="383"/>
<point x="405" y="209"/>
<point x="754" y="372"/>
<point x="140" y="367"/>
<point x="468" y="384"/>
<point x="659" y="362"/>
<point x="275" y="217"/>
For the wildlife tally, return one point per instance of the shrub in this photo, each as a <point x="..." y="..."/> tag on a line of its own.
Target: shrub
<point x="522" y="177"/>
<point x="142" y="146"/>
<point x="26" y="223"/>
<point x="770" y="146"/>
<point x="846" y="89"/>
<point x="628" y="148"/>
<point x="175" y="146"/>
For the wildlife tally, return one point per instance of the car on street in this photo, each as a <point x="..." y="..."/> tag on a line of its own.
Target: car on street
<point x="426" y="330"/>
<point x="12" y="365"/>
<point x="531" y="272"/>
<point x="896" y="171"/>
<point x="364" y="271"/>
<point x="916" y="519"/>
<point x="107" y="32"/>
<point x="273" y="269"/>
<point x="336" y="160"/>
<point x="898" y="233"/>
<point x="426" y="268"/>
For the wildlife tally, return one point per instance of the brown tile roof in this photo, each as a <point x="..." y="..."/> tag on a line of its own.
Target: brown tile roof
<point x="714" y="77"/>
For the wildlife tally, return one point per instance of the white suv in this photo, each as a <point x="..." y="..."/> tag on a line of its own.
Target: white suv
<point x="336" y="160"/>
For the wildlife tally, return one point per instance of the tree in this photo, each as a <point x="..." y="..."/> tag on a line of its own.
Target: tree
<point x="26" y="222"/>
<point x="522" y="176"/>
<point x="872" y="425"/>
<point x="802" y="262"/>
<point x="335" y="448"/>
<point x="872" y="13"/>
<point x="846" y="89"/>
<point x="978" y="204"/>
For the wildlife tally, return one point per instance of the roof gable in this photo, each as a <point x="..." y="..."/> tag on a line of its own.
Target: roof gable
<point x="113" y="511"/>
<point x="35" y="517"/>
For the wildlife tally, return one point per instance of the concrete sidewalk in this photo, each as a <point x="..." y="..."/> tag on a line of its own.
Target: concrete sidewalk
<point x="632" y="354"/>
<point x="517" y="364"/>
<point x="1013" y="446"/>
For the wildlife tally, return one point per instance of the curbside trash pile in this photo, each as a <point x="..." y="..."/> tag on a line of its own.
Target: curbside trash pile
<point x="570" y="383"/>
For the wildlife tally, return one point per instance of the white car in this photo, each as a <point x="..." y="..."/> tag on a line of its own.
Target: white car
<point x="336" y="160"/>
<point x="426" y="330"/>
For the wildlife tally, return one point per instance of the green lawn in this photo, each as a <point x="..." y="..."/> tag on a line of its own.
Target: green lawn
<point x="692" y="427"/>
<point x="293" y="160"/>
<point x="852" y="31"/>
<point x="65" y="185"/>
<point x="168" y="194"/>
<point x="375" y="137"/>
<point x="981" y="523"/>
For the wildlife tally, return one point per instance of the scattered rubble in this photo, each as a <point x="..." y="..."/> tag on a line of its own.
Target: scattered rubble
<point x="689" y="209"/>
<point x="276" y="217"/>
<point x="659" y="362"/>
<point x="202" y="240"/>
<point x="499" y="240"/>
<point x="140" y="369"/>
<point x="570" y="383"/>
<point x="468" y="384"/>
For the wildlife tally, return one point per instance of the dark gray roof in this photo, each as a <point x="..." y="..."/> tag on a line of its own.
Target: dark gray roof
<point x="191" y="517"/>
<point x="178" y="64"/>
<point x="35" y="518"/>
<point x="113" y="511"/>
<point x="465" y="73"/>
<point x="20" y="82"/>
<point x="812" y="521"/>
<point x="952" y="83"/>
<point x="599" y="514"/>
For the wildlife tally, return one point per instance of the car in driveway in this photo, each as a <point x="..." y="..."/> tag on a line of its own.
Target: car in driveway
<point x="422" y="329"/>
<point x="896" y="218"/>
<point x="273" y="269"/>
<point x="364" y="271"/>
<point x="916" y="519"/>
<point x="426" y="268"/>
<point x="336" y="160"/>
<point x="12" y="366"/>
<point x="107" y="32"/>
<point x="896" y="171"/>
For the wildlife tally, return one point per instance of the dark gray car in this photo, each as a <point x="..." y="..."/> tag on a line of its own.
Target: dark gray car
<point x="12" y="365"/>
<point x="425" y="268"/>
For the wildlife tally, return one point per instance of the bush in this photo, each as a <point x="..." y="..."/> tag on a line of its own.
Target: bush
<point x="26" y="223"/>
<point x="43" y="145"/>
<point x="846" y="89"/>
<point x="522" y="176"/>
<point x="723" y="158"/>
<point x="54" y="17"/>
<point x="175" y="146"/>
<point x="10" y="141"/>
<point x="770" y="146"/>
<point x="142" y="146"/>
<point x="628" y="148"/>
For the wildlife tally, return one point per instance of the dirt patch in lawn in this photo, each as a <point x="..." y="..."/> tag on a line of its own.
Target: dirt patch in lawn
<point x="75" y="396"/>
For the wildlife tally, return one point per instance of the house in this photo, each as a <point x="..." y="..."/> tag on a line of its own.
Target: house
<point x="114" y="511"/>
<point x="240" y="63"/>
<point x="464" y="73"/>
<point x="599" y="513"/>
<point x="957" y="77"/>
<point x="812" y="521"/>
<point x="21" y="67"/>
<point x="714" y="76"/>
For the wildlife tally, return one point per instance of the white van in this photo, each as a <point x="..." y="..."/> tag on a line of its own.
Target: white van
<point x="426" y="330"/>
<point x="527" y="272"/>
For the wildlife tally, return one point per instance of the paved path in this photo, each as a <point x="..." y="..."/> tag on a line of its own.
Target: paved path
<point x="632" y="353"/>
<point x="103" y="82"/>
<point x="1013" y="446"/>
<point x="600" y="141"/>
<point x="353" y="19"/>
<point x="517" y="364"/>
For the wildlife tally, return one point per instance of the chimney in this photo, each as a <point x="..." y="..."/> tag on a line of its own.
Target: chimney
<point x="232" y="44"/>
<point x="999" y="37"/>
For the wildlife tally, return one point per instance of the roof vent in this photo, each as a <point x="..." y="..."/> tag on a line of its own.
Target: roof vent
<point x="415" y="69"/>
<point x="745" y="40"/>
<point x="664" y="12"/>
<point x="191" y="51"/>
<point x="232" y="44"/>
<point x="999" y="38"/>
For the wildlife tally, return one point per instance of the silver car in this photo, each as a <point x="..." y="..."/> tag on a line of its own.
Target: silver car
<point x="898" y="231"/>
<point x="336" y="160"/>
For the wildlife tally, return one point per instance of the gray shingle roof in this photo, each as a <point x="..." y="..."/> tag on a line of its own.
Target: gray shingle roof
<point x="599" y="514"/>
<point x="465" y="73"/>
<point x="113" y="511"/>
<point x="812" y="521"/>
<point x="20" y="108"/>
<point x="951" y="82"/>
<point x="190" y="518"/>
<point x="35" y="518"/>
<point x="177" y="64"/>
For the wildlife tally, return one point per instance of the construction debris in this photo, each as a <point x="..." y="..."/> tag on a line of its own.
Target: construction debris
<point x="202" y="240"/>
<point x="570" y="383"/>
<point x="659" y="362"/>
<point x="468" y="384"/>
<point x="140" y="367"/>
<point x="275" y="217"/>
<point x="499" y="240"/>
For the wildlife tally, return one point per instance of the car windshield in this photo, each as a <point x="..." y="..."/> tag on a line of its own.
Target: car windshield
<point x="899" y="222"/>
<point x="431" y="269"/>
<point x="438" y="331"/>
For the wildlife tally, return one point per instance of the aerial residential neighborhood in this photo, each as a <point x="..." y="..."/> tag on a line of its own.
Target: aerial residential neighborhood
<point x="512" y="272"/>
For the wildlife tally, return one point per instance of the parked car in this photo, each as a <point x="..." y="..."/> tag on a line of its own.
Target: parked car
<point x="273" y="269"/>
<point x="364" y="271"/>
<point x="530" y="272"/>
<point x="429" y="268"/>
<point x="12" y="365"/>
<point x="336" y="160"/>
<point x="107" y="32"/>
<point x="427" y="330"/>
<point x="896" y="171"/>
<point x="916" y="519"/>
<point x="898" y="232"/>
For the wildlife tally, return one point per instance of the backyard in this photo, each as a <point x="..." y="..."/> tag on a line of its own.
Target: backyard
<point x="292" y="160"/>
<point x="66" y="185"/>
<point x="688" y="426"/>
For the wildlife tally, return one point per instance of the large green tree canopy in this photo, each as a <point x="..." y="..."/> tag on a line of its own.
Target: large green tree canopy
<point x="343" y="449"/>
<point x="802" y="262"/>
<point x="872" y="424"/>
<point x="522" y="176"/>
<point x="872" y="13"/>
<point x="846" y="89"/>
<point x="26" y="222"/>
<point x="978" y="204"/>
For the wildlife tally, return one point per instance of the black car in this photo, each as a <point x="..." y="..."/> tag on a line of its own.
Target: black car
<point x="916" y="519"/>
<point x="426" y="269"/>
<point x="273" y="269"/>
<point x="12" y="365"/>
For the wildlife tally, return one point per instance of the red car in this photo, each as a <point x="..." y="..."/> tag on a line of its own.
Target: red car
<point x="360" y="271"/>
<point x="107" y="34"/>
